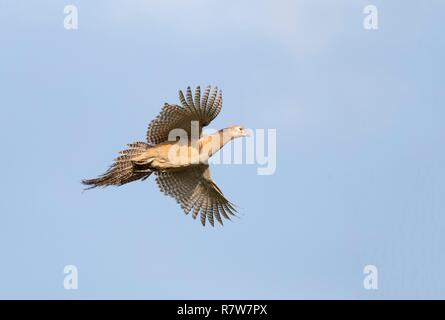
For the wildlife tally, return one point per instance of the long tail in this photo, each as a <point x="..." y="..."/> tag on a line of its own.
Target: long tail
<point x="124" y="169"/>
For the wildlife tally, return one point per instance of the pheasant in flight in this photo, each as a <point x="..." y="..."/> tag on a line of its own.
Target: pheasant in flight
<point x="180" y="165"/>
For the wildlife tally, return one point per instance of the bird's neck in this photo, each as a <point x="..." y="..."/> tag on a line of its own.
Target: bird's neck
<point x="212" y="143"/>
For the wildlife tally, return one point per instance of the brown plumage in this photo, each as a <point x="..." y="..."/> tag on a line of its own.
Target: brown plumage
<point x="181" y="167"/>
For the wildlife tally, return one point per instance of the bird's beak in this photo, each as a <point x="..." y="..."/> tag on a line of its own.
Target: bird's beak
<point x="247" y="134"/>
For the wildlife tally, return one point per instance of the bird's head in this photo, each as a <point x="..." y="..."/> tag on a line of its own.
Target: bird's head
<point x="238" y="131"/>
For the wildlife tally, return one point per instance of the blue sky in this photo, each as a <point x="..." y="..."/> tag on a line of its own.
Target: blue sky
<point x="360" y="149"/>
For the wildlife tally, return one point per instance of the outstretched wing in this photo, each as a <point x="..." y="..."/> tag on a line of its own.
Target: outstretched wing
<point x="194" y="108"/>
<point x="196" y="192"/>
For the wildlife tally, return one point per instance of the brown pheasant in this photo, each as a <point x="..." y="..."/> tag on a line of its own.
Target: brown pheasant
<point x="178" y="154"/>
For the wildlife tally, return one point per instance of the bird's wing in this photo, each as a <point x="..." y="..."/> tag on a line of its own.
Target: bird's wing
<point x="194" y="108"/>
<point x="196" y="192"/>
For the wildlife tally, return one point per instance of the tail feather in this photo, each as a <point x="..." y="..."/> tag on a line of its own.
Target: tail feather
<point x="124" y="169"/>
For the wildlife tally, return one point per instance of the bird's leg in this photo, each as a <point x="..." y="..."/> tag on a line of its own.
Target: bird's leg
<point x="141" y="167"/>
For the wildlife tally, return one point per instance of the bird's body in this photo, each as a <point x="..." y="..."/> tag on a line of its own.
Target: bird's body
<point x="180" y="164"/>
<point x="174" y="156"/>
